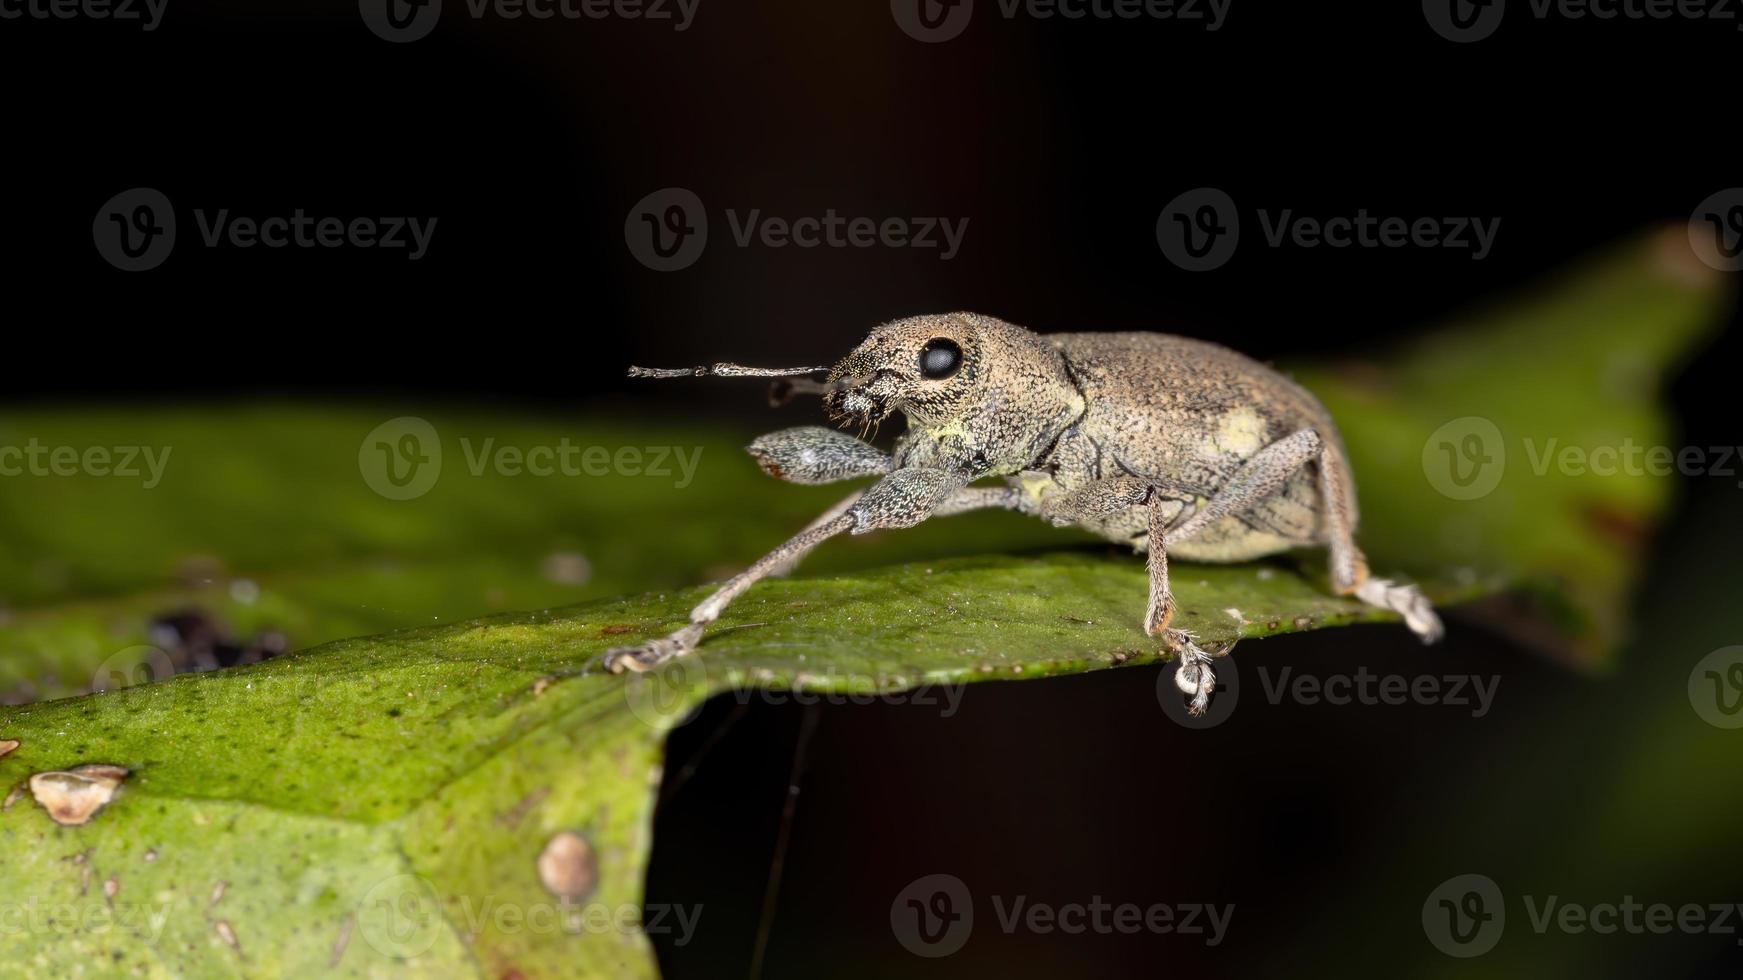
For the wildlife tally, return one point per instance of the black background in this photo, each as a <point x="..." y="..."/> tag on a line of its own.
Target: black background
<point x="1059" y="142"/>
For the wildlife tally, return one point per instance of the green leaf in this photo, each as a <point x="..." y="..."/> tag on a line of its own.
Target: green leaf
<point x="382" y="802"/>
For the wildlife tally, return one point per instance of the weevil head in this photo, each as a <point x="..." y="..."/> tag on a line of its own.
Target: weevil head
<point x="926" y="367"/>
<point x="978" y="384"/>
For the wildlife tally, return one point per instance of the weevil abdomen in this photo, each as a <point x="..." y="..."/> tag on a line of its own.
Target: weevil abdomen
<point x="1184" y="415"/>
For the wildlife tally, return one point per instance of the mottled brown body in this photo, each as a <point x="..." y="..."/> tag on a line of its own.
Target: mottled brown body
<point x="1176" y="446"/>
<point x="1184" y="415"/>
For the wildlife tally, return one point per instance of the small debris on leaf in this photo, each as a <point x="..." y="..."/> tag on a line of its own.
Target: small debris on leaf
<point x="73" y="798"/>
<point x="567" y="866"/>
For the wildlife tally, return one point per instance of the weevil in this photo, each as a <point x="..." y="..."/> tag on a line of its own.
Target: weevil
<point x="1178" y="447"/>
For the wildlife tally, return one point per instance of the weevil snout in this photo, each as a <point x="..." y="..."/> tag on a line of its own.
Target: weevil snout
<point x="857" y="397"/>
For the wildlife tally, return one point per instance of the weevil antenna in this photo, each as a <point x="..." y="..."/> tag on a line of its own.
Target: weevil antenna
<point x="722" y="370"/>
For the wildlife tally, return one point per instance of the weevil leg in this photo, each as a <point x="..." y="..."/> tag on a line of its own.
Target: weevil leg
<point x="1095" y="500"/>
<point x="1405" y="600"/>
<point x="655" y="652"/>
<point x="979" y="498"/>
<point x="966" y="499"/>
<point x="787" y="565"/>
<point x="1349" y="570"/>
<point x="1258" y="478"/>
<point x="904" y="498"/>
<point x="1337" y="493"/>
<point x="1194" y="677"/>
<point x="811" y="454"/>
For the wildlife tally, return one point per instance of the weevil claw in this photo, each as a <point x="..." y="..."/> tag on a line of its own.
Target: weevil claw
<point x="1408" y="602"/>
<point x="1194" y="677"/>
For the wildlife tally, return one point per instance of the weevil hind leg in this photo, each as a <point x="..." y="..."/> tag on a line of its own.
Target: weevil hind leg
<point x="1349" y="569"/>
<point x="1405" y="600"/>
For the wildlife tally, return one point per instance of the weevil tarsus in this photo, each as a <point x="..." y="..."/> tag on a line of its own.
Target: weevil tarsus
<point x="1172" y="445"/>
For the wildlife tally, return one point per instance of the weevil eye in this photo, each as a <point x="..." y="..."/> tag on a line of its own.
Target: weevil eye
<point x="940" y="358"/>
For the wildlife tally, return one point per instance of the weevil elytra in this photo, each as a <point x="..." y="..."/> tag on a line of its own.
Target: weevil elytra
<point x="1175" y="446"/>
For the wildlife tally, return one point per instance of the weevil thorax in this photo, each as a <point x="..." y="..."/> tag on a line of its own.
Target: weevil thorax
<point x="982" y="396"/>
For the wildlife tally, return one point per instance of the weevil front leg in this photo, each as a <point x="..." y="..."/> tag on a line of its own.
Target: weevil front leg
<point x="903" y="498"/>
<point x="812" y="455"/>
